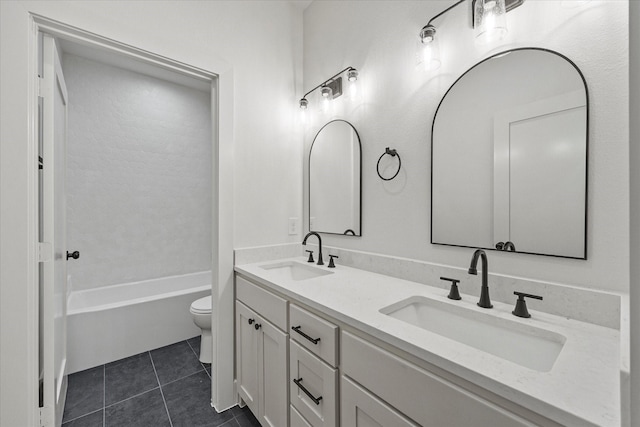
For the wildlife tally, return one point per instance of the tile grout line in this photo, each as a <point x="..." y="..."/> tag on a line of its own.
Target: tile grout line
<point x="131" y="397"/>
<point x="161" y="392"/>
<point x="202" y="364"/>
<point x="81" y="416"/>
<point x="181" y="378"/>
<point x="104" y="395"/>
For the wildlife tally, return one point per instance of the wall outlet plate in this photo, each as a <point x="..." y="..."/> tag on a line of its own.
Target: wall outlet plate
<point x="293" y="226"/>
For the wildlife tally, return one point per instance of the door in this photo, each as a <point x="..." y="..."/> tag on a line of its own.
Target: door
<point x="247" y="356"/>
<point x="540" y="176"/>
<point x="547" y="176"/>
<point x="53" y="271"/>
<point x="273" y="348"/>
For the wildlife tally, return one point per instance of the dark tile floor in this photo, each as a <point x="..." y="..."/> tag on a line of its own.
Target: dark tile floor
<point x="163" y="387"/>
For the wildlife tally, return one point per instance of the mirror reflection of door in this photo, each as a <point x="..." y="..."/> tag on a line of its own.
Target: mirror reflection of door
<point x="509" y="156"/>
<point x="537" y="147"/>
<point x="334" y="180"/>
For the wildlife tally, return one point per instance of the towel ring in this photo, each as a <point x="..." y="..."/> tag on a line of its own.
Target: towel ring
<point x="393" y="153"/>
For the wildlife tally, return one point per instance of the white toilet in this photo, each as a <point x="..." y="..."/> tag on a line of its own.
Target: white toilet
<point x="201" y="312"/>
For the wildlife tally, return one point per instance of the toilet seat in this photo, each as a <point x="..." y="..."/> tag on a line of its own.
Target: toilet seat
<point x="202" y="305"/>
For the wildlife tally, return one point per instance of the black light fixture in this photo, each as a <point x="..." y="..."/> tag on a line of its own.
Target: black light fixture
<point x="331" y="88"/>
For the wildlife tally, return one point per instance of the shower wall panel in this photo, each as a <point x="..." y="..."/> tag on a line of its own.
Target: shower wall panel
<point x="139" y="175"/>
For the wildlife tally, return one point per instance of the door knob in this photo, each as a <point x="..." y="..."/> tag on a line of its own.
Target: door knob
<point x="74" y="254"/>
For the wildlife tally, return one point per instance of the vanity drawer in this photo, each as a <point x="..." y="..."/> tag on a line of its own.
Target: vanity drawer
<point x="297" y="420"/>
<point x="313" y="387"/>
<point x="314" y="333"/>
<point x="418" y="394"/>
<point x="264" y="302"/>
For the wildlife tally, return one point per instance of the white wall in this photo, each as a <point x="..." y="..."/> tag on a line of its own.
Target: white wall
<point x="261" y="41"/>
<point x="399" y="101"/>
<point x="634" y="113"/>
<point x="138" y="175"/>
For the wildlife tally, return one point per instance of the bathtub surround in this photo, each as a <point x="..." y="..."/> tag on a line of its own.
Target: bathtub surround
<point x="139" y="171"/>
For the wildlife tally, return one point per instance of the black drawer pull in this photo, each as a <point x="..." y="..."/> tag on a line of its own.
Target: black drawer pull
<point x="313" y="340"/>
<point x="250" y="321"/>
<point x="316" y="400"/>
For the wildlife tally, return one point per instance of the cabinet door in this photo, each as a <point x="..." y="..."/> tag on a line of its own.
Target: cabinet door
<point x="247" y="352"/>
<point x="274" y="372"/>
<point x="359" y="408"/>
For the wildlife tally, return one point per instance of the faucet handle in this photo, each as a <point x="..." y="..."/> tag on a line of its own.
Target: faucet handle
<point x="453" y="293"/>
<point x="521" y="304"/>
<point x="310" y="257"/>
<point x="331" y="264"/>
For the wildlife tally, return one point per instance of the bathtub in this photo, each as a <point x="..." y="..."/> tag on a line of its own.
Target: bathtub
<point x="113" y="322"/>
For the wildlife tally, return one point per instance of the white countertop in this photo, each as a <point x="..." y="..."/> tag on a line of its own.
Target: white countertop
<point x="582" y="386"/>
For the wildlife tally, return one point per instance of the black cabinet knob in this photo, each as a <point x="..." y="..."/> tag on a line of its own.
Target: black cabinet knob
<point x="257" y="326"/>
<point x="74" y="254"/>
<point x="250" y="321"/>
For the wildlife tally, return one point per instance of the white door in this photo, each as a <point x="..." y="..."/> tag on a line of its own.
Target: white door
<point x="53" y="287"/>
<point x="247" y="356"/>
<point x="547" y="177"/>
<point x="540" y="176"/>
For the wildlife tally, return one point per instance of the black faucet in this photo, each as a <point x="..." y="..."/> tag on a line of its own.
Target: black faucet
<point x="485" y="301"/>
<point x="304" y="242"/>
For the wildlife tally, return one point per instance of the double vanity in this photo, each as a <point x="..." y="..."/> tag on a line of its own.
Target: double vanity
<point x="318" y="346"/>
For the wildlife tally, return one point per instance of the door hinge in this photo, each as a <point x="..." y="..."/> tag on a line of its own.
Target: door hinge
<point x="45" y="252"/>
<point x="43" y="87"/>
<point x="46" y="416"/>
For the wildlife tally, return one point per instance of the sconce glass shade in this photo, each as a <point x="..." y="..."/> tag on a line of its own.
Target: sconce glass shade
<point x="326" y="98"/>
<point x="490" y="20"/>
<point x="428" y="48"/>
<point x="352" y="78"/>
<point x="304" y="104"/>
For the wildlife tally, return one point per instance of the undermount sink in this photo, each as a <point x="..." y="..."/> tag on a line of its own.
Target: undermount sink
<point x="526" y="345"/>
<point x="293" y="270"/>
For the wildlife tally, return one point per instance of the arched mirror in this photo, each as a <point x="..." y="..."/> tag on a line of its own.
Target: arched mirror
<point x="334" y="180"/>
<point x="509" y="156"/>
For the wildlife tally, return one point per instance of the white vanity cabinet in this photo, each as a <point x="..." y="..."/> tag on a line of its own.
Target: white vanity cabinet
<point x="298" y="368"/>
<point x="262" y="348"/>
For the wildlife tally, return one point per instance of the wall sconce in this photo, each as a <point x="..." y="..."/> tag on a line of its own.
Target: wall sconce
<point x="488" y="19"/>
<point x="331" y="89"/>
<point x="429" y="50"/>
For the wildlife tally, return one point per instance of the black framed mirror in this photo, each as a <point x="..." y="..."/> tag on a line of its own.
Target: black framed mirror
<point x="335" y="176"/>
<point x="509" y="156"/>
